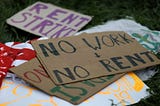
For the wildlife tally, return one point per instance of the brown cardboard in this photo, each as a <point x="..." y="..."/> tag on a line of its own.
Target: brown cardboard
<point x="75" y="93"/>
<point x="87" y="56"/>
<point x="48" y="20"/>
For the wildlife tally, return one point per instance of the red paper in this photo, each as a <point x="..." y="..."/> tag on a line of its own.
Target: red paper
<point x="9" y="54"/>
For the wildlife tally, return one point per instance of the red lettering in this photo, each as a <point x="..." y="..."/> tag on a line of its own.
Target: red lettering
<point x="41" y="71"/>
<point x="32" y="76"/>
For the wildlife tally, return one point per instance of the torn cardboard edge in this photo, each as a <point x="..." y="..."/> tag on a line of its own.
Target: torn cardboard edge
<point x="89" y="56"/>
<point x="45" y="19"/>
<point x="74" y="93"/>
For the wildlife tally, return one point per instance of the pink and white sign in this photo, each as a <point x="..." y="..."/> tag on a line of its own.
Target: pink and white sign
<point x="44" y="19"/>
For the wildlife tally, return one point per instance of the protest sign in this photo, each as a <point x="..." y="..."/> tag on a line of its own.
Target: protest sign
<point x="48" y="20"/>
<point x="87" y="56"/>
<point x="34" y="73"/>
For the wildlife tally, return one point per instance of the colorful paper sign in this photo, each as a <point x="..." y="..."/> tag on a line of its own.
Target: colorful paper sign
<point x="87" y="56"/>
<point x="127" y="90"/>
<point x="75" y="93"/>
<point x="48" y="20"/>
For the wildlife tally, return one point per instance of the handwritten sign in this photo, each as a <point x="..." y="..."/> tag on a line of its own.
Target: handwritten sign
<point x="127" y="90"/>
<point x="87" y="56"/>
<point x="75" y="93"/>
<point x="48" y="20"/>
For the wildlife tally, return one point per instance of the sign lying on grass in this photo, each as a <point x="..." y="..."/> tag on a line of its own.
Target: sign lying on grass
<point x="75" y="93"/>
<point x="87" y="56"/>
<point x="48" y="20"/>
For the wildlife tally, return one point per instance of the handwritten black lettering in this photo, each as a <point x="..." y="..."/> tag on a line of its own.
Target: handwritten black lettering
<point x="79" y="70"/>
<point x="95" y="47"/>
<point x="147" y="54"/>
<point x="62" y="46"/>
<point x="97" y="55"/>
<point x="127" y="40"/>
<point x="68" y="74"/>
<point x="106" y="64"/>
<point x="107" y="41"/>
<point x="52" y="49"/>
<point x="116" y="39"/>
<point x="119" y="63"/>
<point x="133" y="59"/>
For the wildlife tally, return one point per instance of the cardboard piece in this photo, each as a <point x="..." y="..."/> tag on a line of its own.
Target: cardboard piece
<point x="127" y="90"/>
<point x="87" y="56"/>
<point x="75" y="93"/>
<point x="48" y="20"/>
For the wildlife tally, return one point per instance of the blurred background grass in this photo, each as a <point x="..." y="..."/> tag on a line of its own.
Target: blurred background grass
<point x="145" y="12"/>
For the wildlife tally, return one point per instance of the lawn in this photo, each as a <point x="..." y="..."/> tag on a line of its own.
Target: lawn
<point x="145" y="12"/>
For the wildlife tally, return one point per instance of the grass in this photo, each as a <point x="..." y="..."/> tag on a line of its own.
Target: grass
<point x="145" y="12"/>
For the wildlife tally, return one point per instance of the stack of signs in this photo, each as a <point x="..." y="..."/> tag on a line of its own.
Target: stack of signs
<point x="81" y="61"/>
<point x="78" y="62"/>
<point x="88" y="56"/>
<point x="34" y="73"/>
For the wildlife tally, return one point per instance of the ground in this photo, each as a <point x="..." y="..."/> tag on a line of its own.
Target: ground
<point x="145" y="12"/>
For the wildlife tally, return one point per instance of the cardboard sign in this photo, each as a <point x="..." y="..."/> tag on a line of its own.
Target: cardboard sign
<point x="87" y="56"/>
<point x="127" y="90"/>
<point x="75" y="93"/>
<point x="48" y="20"/>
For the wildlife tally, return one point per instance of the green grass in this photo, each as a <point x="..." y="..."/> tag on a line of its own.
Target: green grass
<point x="145" y="12"/>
